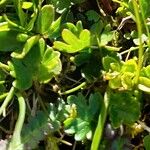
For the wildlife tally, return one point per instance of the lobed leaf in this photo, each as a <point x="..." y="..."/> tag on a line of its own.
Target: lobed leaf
<point x="80" y="122"/>
<point x="124" y="108"/>
<point x="40" y="64"/>
<point x="28" y="45"/>
<point x="73" y="43"/>
<point x="35" y="130"/>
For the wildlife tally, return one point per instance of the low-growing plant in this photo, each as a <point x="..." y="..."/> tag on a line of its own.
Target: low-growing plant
<point x="72" y="74"/>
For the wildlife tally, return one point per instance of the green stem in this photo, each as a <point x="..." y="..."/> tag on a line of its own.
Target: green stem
<point x="2" y="96"/>
<point x="2" y="2"/>
<point x="139" y="28"/>
<point x="144" y="21"/>
<point x="100" y="9"/>
<point x="13" y="24"/>
<point x="3" y="66"/>
<point x="2" y="82"/>
<point x="111" y="48"/>
<point x="132" y="49"/>
<point x="101" y="122"/>
<point x="74" y="89"/>
<point x="15" y="143"/>
<point x="121" y="3"/>
<point x="5" y="130"/>
<point x="7" y="100"/>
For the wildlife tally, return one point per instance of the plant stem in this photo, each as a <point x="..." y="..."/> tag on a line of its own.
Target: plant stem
<point x="132" y="49"/>
<point x="15" y="143"/>
<point x="2" y="96"/>
<point x="13" y="24"/>
<point x="2" y="82"/>
<point x="3" y="66"/>
<point x="121" y="3"/>
<point x="5" y="130"/>
<point x="144" y="21"/>
<point x="145" y="127"/>
<point x="7" y="100"/>
<point x="101" y="122"/>
<point x="139" y="28"/>
<point x="2" y="2"/>
<point x="74" y="89"/>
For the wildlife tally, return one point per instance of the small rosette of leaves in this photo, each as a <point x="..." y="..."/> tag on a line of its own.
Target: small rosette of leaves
<point x="82" y="115"/>
<point x="121" y="75"/>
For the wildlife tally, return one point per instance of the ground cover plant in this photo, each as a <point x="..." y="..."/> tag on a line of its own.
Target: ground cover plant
<point x="74" y="74"/>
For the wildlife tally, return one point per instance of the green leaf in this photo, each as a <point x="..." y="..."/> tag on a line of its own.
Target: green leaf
<point x="54" y="30"/>
<point x="28" y="45"/>
<point x="50" y="66"/>
<point x="73" y="43"/>
<point x="145" y="8"/>
<point x="40" y="66"/>
<point x="22" y="37"/>
<point x="115" y="82"/>
<point x="86" y="60"/>
<point x="95" y="101"/>
<point x="147" y="142"/>
<point x="71" y="27"/>
<point x="27" y="5"/>
<point x="79" y="26"/>
<point x="70" y="38"/>
<point x="57" y="114"/>
<point x="60" y="5"/>
<point x="22" y="74"/>
<point x="82" y="58"/>
<point x="144" y="79"/>
<point x="6" y="34"/>
<point x="106" y="36"/>
<point x="35" y="130"/>
<point x="124" y="108"/>
<point x="85" y="37"/>
<point x="83" y="129"/>
<point x="31" y="23"/>
<point x="92" y="15"/>
<point x="127" y="80"/>
<point x="45" y="19"/>
<point x="82" y="115"/>
<point x="75" y="29"/>
<point x="108" y="61"/>
<point x="88" y="71"/>
<point x="129" y="66"/>
<point x="120" y="143"/>
<point x="145" y="72"/>
<point x="97" y="27"/>
<point x="22" y="16"/>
